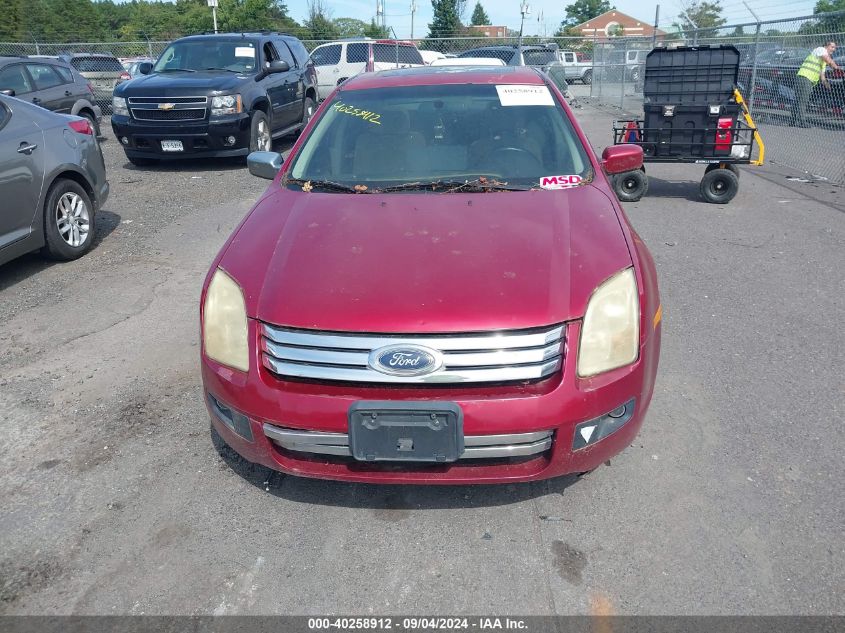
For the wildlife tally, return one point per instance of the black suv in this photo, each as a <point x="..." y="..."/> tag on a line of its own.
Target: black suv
<point x="215" y="95"/>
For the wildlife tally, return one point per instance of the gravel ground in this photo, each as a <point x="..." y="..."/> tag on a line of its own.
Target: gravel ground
<point x="117" y="500"/>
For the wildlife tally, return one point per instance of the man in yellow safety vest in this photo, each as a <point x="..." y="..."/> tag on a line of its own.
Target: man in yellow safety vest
<point x="810" y="73"/>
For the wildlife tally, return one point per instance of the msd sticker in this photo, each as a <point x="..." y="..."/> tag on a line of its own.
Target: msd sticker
<point x="560" y="182"/>
<point x="525" y="96"/>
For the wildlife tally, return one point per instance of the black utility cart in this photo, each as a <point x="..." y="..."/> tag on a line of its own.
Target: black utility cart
<point x="692" y="113"/>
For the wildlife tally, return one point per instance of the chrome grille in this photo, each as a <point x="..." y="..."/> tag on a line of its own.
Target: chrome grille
<point x="476" y="446"/>
<point x="182" y="108"/>
<point x="505" y="356"/>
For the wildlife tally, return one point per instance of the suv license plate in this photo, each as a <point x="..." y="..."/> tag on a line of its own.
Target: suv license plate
<point x="171" y="146"/>
<point x="402" y="431"/>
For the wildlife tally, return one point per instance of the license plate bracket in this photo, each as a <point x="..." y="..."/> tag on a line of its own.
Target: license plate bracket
<point x="406" y="431"/>
<point x="172" y="146"/>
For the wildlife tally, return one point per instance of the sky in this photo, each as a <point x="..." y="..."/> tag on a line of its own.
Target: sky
<point x="546" y="15"/>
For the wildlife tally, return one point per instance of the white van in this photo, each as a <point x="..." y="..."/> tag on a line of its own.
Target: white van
<point x="336" y="62"/>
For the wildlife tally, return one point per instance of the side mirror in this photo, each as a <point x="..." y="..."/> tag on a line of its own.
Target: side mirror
<point x="145" y="68"/>
<point x="277" y="66"/>
<point x="9" y="92"/>
<point x="264" y="164"/>
<point x="617" y="159"/>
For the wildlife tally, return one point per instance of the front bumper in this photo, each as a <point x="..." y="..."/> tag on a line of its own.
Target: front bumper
<point x="529" y="429"/>
<point x="199" y="139"/>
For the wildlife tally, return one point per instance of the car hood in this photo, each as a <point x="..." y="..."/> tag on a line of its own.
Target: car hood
<point x="425" y="262"/>
<point x="181" y="84"/>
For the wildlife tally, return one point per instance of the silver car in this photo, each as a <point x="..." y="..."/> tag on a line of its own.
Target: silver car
<point x="52" y="181"/>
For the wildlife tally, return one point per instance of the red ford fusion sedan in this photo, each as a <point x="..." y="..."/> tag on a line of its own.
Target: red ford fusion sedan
<point x="439" y="286"/>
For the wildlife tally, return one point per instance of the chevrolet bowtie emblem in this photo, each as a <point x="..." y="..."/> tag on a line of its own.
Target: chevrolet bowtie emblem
<point x="166" y="106"/>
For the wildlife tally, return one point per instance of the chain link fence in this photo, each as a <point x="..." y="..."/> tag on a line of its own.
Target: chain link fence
<point x="611" y="73"/>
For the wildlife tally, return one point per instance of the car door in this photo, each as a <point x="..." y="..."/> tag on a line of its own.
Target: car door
<point x="21" y="172"/>
<point x="73" y="90"/>
<point x="49" y="89"/>
<point x="278" y="87"/>
<point x="326" y="59"/>
<point x="294" y="83"/>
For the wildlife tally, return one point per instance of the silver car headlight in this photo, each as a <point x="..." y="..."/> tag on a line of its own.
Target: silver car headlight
<point x="226" y="104"/>
<point x="224" y="332"/>
<point x="610" y="336"/>
<point x="118" y="106"/>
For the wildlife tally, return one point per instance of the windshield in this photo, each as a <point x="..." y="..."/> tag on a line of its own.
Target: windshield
<point x="539" y="58"/>
<point x="237" y="55"/>
<point x="503" y="135"/>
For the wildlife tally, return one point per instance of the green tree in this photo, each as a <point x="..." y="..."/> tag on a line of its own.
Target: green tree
<point x="12" y="24"/>
<point x="829" y="24"/>
<point x="319" y="21"/>
<point x="704" y="16"/>
<point x="376" y="31"/>
<point x="446" y="21"/>
<point x="479" y="16"/>
<point x="349" y="27"/>
<point x="582" y="10"/>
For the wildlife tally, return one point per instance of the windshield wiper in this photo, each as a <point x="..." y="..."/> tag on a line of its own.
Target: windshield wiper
<point x="228" y="70"/>
<point x="176" y="70"/>
<point x="481" y="184"/>
<point x="327" y="185"/>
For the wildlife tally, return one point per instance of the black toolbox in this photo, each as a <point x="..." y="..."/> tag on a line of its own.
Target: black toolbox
<point x="688" y="95"/>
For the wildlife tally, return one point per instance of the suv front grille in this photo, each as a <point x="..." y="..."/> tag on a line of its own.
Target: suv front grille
<point x="481" y="357"/>
<point x="168" y="109"/>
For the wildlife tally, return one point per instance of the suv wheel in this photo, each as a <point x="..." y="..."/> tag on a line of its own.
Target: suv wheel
<point x="68" y="221"/>
<point x="260" y="139"/>
<point x="587" y="78"/>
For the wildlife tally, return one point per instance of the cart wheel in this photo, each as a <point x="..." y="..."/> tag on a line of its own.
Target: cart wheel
<point x="719" y="186"/>
<point x="630" y="186"/>
<point x="730" y="166"/>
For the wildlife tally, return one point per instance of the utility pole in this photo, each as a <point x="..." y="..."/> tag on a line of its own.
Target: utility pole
<point x="656" y="22"/>
<point x="525" y="9"/>
<point x="413" y="11"/>
<point x="213" y="5"/>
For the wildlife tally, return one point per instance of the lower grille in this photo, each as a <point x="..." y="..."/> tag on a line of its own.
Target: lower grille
<point x="476" y="446"/>
<point x="483" y="357"/>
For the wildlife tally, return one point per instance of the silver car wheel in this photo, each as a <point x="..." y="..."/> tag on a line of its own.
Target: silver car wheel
<point x="265" y="143"/>
<point x="73" y="219"/>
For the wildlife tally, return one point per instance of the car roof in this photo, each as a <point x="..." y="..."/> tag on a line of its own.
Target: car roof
<point x="439" y="75"/>
<point x="244" y="34"/>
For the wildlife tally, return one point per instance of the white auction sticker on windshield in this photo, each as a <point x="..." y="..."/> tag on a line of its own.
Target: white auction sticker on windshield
<point x="525" y="96"/>
<point x="560" y="182"/>
<point x="244" y="51"/>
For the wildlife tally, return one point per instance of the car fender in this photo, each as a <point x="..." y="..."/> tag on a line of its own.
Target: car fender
<point x="82" y="104"/>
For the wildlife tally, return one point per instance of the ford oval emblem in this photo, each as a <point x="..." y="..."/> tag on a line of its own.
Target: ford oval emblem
<point x="405" y="360"/>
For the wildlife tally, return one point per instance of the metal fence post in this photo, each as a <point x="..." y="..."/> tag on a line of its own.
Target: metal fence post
<point x="593" y="75"/>
<point x="623" y="73"/>
<point x="750" y="89"/>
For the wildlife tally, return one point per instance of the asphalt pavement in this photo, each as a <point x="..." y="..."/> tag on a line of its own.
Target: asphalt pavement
<point x="117" y="500"/>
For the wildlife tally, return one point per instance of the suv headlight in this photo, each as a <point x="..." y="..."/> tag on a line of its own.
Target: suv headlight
<point x="227" y="104"/>
<point x="610" y="336"/>
<point x="118" y="106"/>
<point x="224" y="332"/>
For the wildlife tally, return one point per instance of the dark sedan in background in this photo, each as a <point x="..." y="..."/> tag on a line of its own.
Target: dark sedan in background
<point x="51" y="84"/>
<point x="774" y="85"/>
<point x="52" y="181"/>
